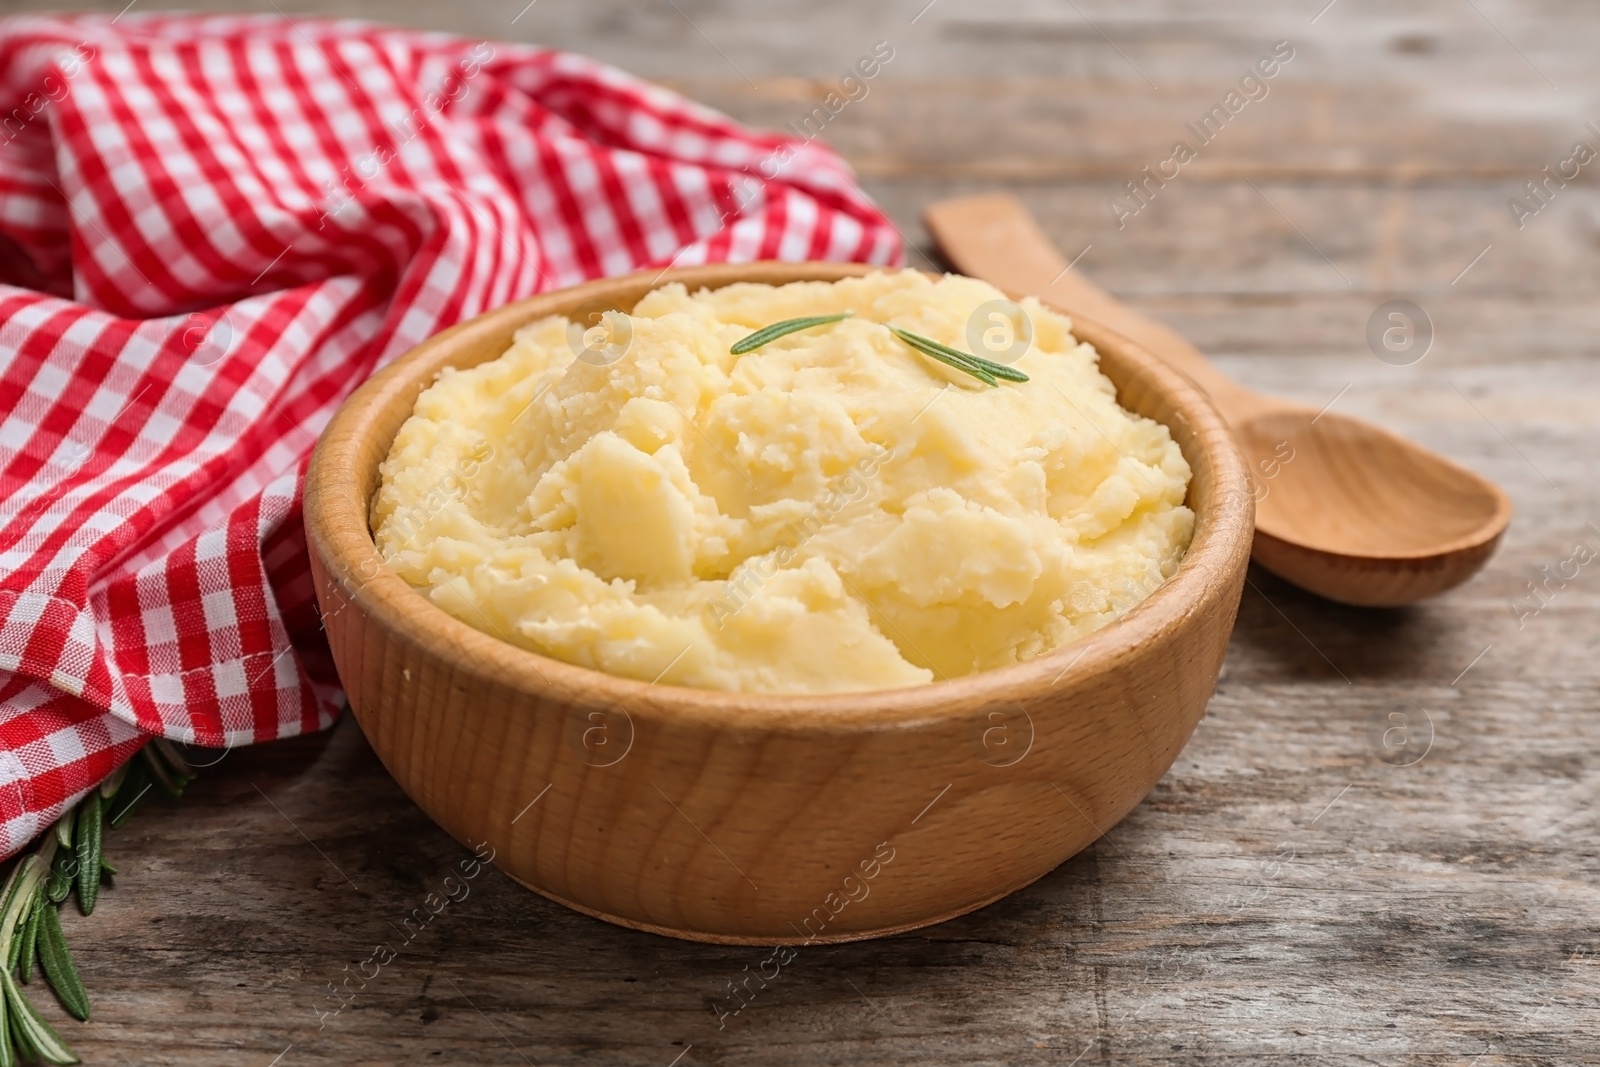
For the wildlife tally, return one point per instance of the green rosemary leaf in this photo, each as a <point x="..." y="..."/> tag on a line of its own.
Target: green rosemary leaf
<point x="64" y="830"/>
<point x="948" y="356"/>
<point x="134" y="787"/>
<point x="780" y="329"/>
<point x="20" y="896"/>
<point x="116" y="820"/>
<point x="30" y="938"/>
<point x="36" y="1038"/>
<point x="58" y="883"/>
<point x="170" y="784"/>
<point x="20" y="891"/>
<point x="8" y="1057"/>
<point x="8" y="895"/>
<point x="59" y="971"/>
<point x="109" y="787"/>
<point x="956" y="358"/>
<point x="999" y="370"/>
<point x="169" y="752"/>
<point x="20" y="935"/>
<point x="17" y="952"/>
<point x="90" y="830"/>
<point x="26" y="1053"/>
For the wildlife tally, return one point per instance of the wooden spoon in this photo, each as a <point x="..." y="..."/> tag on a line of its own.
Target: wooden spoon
<point x="1343" y="508"/>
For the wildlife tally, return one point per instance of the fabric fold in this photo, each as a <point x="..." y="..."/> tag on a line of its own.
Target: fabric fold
<point x="211" y="230"/>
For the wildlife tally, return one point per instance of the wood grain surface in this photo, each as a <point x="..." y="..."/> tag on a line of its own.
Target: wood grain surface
<point x="1382" y="844"/>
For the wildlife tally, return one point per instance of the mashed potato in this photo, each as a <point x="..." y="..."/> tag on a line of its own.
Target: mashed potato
<point x="833" y="511"/>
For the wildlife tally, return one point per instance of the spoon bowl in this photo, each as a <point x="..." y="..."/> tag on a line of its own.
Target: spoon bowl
<point x="1344" y="508"/>
<point x="1357" y="514"/>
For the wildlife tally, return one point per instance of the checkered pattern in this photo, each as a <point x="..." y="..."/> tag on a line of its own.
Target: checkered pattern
<point x="212" y="229"/>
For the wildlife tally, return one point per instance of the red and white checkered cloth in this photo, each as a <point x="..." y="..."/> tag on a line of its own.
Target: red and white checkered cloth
<point x="211" y="230"/>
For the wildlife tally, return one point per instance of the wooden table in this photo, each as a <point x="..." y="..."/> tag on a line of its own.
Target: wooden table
<point x="1295" y="890"/>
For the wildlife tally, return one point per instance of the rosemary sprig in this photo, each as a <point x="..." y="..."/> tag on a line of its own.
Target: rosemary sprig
<point x="782" y="329"/>
<point x="932" y="351"/>
<point x="977" y="366"/>
<point x="70" y="856"/>
<point x="91" y="830"/>
<point x="986" y="371"/>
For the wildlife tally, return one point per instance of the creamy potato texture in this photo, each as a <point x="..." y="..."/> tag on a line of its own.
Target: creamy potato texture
<point x="833" y="511"/>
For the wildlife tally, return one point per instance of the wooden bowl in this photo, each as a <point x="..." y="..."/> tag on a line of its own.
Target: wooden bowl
<point x="763" y="819"/>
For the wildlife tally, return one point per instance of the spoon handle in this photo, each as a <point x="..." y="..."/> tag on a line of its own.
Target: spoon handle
<point x="993" y="237"/>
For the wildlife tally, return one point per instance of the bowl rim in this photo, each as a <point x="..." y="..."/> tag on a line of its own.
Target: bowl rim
<point x="337" y="524"/>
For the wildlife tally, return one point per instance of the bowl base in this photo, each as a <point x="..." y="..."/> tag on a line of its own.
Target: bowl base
<point x="747" y="939"/>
